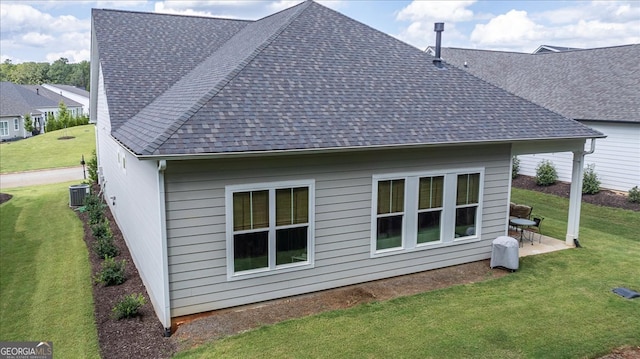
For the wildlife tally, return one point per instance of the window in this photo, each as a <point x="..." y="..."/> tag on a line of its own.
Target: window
<point x="4" y="128"/>
<point x="424" y="210"/>
<point x="16" y="124"/>
<point x="269" y="227"/>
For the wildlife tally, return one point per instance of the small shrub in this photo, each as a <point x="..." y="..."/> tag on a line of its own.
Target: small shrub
<point x="105" y="247"/>
<point x="128" y="306"/>
<point x="92" y="167"/>
<point x="590" y="181"/>
<point x="95" y="208"/>
<point x="101" y="230"/>
<point x="634" y="195"/>
<point x="515" y="169"/>
<point x="546" y="173"/>
<point x="112" y="272"/>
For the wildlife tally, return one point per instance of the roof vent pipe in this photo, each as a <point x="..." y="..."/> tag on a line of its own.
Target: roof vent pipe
<point x="438" y="27"/>
<point x="37" y="91"/>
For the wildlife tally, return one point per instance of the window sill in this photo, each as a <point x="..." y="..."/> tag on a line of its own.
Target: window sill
<point x="263" y="272"/>
<point x="425" y="246"/>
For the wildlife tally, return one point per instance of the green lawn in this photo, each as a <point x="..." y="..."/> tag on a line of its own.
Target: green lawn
<point x="47" y="151"/>
<point x="558" y="305"/>
<point x="45" y="277"/>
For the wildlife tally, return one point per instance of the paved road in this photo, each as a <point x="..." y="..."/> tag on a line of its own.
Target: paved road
<point x="32" y="178"/>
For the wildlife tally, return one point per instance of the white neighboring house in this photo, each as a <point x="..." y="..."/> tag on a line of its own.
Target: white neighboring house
<point x="19" y="100"/>
<point x="597" y="87"/>
<point x="73" y="93"/>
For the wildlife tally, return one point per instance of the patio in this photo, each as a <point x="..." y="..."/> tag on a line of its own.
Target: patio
<point x="545" y="245"/>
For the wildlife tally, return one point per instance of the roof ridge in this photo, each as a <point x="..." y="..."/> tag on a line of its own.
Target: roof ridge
<point x="161" y="138"/>
<point x="168" y="14"/>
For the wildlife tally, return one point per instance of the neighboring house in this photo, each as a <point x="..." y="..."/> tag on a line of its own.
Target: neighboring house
<point x="73" y="93"/>
<point x="548" y="48"/>
<point x="74" y="107"/>
<point x="16" y="101"/>
<point x="251" y="160"/>
<point x="597" y="87"/>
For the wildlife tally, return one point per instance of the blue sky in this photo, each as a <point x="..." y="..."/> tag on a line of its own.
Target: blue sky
<point x="47" y="30"/>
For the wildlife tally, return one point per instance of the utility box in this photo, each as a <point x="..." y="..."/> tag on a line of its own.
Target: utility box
<point x="504" y="253"/>
<point x="77" y="193"/>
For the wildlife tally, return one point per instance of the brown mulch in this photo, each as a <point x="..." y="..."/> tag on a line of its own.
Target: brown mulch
<point x="142" y="337"/>
<point x="4" y="197"/>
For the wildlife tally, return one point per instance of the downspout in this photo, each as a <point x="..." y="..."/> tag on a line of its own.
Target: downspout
<point x="166" y="321"/>
<point x="575" y="197"/>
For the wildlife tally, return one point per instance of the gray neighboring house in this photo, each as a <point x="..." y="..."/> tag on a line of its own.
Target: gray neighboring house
<point x="251" y="160"/>
<point x="597" y="87"/>
<point x="16" y="101"/>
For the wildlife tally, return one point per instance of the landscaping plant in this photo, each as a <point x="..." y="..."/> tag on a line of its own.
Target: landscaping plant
<point x="112" y="272"/>
<point x="128" y="306"/>
<point x="634" y="195"/>
<point x="92" y="168"/>
<point x="590" y="181"/>
<point x="515" y="169"/>
<point x="546" y="173"/>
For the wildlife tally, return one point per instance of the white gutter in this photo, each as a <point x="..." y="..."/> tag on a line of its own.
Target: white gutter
<point x="166" y="300"/>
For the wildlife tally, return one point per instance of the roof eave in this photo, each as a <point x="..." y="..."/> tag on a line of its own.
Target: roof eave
<point x="327" y="150"/>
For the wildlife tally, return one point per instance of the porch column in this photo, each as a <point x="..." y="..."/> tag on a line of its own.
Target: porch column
<point x="575" y="198"/>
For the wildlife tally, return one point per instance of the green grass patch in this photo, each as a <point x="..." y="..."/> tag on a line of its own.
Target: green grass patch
<point x="558" y="305"/>
<point x="45" y="276"/>
<point x="48" y="151"/>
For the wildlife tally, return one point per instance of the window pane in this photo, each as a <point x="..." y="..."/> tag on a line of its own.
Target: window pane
<point x="250" y="210"/>
<point x="430" y="193"/>
<point x="389" y="232"/>
<point x="390" y="196"/>
<point x="466" y="221"/>
<point x="292" y="206"/>
<point x="468" y="188"/>
<point x="250" y="251"/>
<point x="291" y="245"/>
<point x="429" y="226"/>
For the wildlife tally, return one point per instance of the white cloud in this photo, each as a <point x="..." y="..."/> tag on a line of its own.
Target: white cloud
<point x="505" y="29"/>
<point x="437" y="11"/>
<point x="36" y="39"/>
<point x="72" y="55"/>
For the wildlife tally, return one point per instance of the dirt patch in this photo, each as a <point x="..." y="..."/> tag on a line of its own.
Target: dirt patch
<point x="5" y="197"/>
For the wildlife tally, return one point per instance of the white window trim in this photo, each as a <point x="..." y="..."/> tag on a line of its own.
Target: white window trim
<point x="271" y="187"/>
<point x="6" y="127"/>
<point x="410" y="217"/>
<point x="16" y="124"/>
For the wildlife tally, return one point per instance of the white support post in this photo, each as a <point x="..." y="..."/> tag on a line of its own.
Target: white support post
<point x="575" y="199"/>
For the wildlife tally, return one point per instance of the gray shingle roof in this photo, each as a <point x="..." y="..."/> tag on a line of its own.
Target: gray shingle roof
<point x="306" y="78"/>
<point x="18" y="100"/>
<point x="72" y="89"/>
<point x="594" y="84"/>
<point x="51" y="95"/>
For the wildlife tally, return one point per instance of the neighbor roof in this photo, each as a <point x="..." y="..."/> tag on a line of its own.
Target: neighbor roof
<point x="72" y="89"/>
<point x="304" y="78"/>
<point x="17" y="100"/>
<point x="51" y="95"/>
<point x="592" y="84"/>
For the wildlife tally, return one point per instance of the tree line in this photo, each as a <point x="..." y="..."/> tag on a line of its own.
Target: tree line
<point x="35" y="73"/>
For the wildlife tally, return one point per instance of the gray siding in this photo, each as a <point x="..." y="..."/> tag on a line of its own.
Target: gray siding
<point x="195" y="199"/>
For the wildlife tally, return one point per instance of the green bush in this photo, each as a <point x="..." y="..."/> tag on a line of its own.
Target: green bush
<point x="546" y="173"/>
<point x="101" y="230"/>
<point x="634" y="195"/>
<point x="105" y="247"/>
<point x="95" y="208"/>
<point x="590" y="181"/>
<point x="515" y="169"/>
<point x="128" y="306"/>
<point x="112" y="272"/>
<point x="92" y="168"/>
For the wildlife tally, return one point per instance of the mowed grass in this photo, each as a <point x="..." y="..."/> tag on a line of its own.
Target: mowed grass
<point x="558" y="305"/>
<point x="45" y="277"/>
<point x="47" y="151"/>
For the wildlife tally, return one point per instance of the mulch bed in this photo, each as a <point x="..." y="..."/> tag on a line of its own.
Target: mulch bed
<point x="142" y="337"/>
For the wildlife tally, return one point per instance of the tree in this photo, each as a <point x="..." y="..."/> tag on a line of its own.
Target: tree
<point x="79" y="75"/>
<point x="6" y="68"/>
<point x="28" y="124"/>
<point x="30" y="73"/>
<point x="64" y="117"/>
<point x="59" y="71"/>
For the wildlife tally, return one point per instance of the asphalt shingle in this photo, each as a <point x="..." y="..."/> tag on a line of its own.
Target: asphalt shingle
<point x="311" y="78"/>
